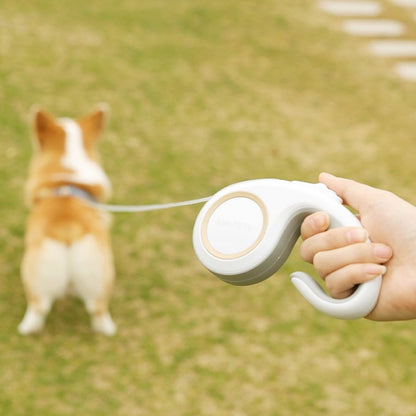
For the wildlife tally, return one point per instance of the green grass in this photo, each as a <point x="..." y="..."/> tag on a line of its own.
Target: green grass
<point x="202" y="94"/>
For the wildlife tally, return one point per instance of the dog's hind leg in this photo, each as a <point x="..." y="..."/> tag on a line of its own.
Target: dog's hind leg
<point x="92" y="275"/>
<point x="101" y="320"/>
<point x="34" y="318"/>
<point x="45" y="278"/>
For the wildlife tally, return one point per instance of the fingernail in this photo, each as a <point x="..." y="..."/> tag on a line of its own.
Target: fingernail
<point x="324" y="176"/>
<point x="382" y="252"/>
<point x="375" y="269"/>
<point x="319" y="221"/>
<point x="357" y="235"/>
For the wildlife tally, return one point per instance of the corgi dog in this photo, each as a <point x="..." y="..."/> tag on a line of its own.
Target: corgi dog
<point x="67" y="242"/>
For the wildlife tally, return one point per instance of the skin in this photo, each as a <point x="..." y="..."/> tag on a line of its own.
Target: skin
<point x="344" y="257"/>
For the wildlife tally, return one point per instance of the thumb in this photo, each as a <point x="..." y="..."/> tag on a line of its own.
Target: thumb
<point x="353" y="193"/>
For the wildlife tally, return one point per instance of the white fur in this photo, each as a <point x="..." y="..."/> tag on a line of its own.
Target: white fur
<point x="45" y="271"/>
<point x="85" y="170"/>
<point x="91" y="271"/>
<point x="55" y="269"/>
<point x="49" y="263"/>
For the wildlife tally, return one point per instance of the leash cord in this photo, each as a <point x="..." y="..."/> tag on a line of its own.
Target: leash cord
<point x="154" y="207"/>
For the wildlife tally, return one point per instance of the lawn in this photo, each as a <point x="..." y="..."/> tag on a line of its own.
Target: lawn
<point x="202" y="94"/>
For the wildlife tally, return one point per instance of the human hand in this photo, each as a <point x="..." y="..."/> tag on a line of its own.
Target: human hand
<point x="344" y="258"/>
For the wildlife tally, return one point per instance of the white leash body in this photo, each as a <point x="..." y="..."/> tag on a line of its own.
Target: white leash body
<point x="151" y="207"/>
<point x="247" y="230"/>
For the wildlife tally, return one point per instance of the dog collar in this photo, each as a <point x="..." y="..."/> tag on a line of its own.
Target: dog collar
<point x="71" y="190"/>
<point x="67" y="190"/>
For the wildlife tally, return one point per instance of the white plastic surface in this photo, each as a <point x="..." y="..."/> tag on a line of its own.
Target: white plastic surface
<point x="246" y="231"/>
<point x="244" y="221"/>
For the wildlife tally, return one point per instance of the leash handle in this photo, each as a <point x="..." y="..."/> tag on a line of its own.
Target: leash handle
<point x="247" y="230"/>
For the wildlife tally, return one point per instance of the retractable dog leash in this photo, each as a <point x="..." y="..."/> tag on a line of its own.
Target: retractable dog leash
<point x="150" y="207"/>
<point x="246" y="231"/>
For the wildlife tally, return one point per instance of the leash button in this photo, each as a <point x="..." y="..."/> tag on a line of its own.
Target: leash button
<point x="234" y="225"/>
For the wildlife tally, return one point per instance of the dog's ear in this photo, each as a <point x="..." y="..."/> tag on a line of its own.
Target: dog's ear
<point x="44" y="126"/>
<point x="93" y="124"/>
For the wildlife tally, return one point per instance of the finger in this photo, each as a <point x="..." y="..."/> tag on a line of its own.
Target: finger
<point x="313" y="224"/>
<point x="343" y="282"/>
<point x="326" y="262"/>
<point x="330" y="240"/>
<point x="353" y="193"/>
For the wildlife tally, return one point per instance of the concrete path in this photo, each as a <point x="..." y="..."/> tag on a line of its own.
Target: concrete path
<point x="373" y="27"/>
<point x="404" y="3"/>
<point x="393" y="48"/>
<point x="351" y="8"/>
<point x="365" y="19"/>
<point x="406" y="70"/>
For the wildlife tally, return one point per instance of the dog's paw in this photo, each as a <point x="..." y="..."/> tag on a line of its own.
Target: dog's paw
<point x="31" y="323"/>
<point x="104" y="324"/>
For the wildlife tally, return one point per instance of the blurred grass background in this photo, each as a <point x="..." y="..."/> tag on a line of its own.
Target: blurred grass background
<point x="202" y="94"/>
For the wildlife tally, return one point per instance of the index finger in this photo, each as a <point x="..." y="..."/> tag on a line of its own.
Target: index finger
<point x="354" y="194"/>
<point x="314" y="224"/>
